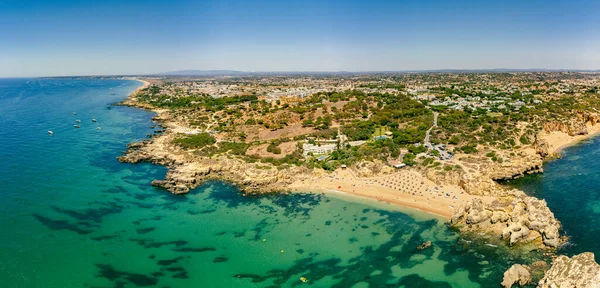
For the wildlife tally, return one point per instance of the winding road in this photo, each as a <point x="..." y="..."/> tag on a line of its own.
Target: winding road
<point x="426" y="141"/>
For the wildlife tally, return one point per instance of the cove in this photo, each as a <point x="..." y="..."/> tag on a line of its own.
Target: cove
<point x="73" y="216"/>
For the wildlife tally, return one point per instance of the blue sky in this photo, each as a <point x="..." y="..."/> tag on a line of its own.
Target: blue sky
<point x="61" y="37"/>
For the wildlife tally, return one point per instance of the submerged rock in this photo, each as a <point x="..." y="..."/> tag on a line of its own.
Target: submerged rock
<point x="424" y="246"/>
<point x="578" y="271"/>
<point x="516" y="274"/>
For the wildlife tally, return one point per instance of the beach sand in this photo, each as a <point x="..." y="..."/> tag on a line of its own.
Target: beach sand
<point x="559" y="140"/>
<point x="146" y="84"/>
<point x="405" y="188"/>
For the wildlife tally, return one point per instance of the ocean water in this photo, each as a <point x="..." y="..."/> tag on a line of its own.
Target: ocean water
<point x="571" y="188"/>
<point x="73" y="216"/>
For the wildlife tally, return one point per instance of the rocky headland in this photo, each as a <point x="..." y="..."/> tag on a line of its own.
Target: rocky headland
<point x="188" y="171"/>
<point x="507" y="213"/>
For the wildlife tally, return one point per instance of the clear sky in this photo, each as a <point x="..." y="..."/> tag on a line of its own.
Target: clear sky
<point x="88" y="37"/>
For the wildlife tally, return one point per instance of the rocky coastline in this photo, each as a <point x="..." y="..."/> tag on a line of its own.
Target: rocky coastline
<point x="507" y="213"/>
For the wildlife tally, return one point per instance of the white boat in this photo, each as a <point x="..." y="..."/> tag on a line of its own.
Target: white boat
<point x="99" y="128"/>
<point x="76" y="126"/>
<point x="74" y="113"/>
<point x="50" y="132"/>
<point x="78" y="121"/>
<point x="94" y="120"/>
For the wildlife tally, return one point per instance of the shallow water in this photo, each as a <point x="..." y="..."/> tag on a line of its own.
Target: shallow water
<point x="570" y="186"/>
<point x="74" y="216"/>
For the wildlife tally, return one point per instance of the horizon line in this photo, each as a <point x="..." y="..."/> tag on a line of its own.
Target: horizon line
<point x="223" y="72"/>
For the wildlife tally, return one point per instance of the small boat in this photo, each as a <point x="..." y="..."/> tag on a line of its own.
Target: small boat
<point x="108" y="108"/>
<point x="50" y="132"/>
<point x="74" y="113"/>
<point x="76" y="126"/>
<point x="78" y="121"/>
<point x="99" y="128"/>
<point x="94" y="120"/>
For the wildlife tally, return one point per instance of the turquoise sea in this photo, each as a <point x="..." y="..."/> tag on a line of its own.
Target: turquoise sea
<point x="571" y="186"/>
<point x="73" y="216"/>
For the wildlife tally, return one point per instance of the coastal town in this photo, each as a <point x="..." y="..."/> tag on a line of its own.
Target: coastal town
<point x="326" y="114"/>
<point x="437" y="142"/>
<point x="292" y="144"/>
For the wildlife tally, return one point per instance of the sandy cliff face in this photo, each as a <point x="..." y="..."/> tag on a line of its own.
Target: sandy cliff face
<point x="478" y="175"/>
<point x="573" y="126"/>
<point x="542" y="147"/>
<point x="368" y="169"/>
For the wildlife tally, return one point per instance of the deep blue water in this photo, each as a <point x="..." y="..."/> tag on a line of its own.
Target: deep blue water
<point x="73" y="216"/>
<point x="571" y="187"/>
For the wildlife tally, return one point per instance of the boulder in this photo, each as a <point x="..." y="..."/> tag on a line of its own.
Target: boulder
<point x="499" y="216"/>
<point x="424" y="246"/>
<point x="551" y="236"/>
<point x="179" y="189"/>
<point x="478" y="216"/>
<point x="541" y="147"/>
<point x="516" y="274"/>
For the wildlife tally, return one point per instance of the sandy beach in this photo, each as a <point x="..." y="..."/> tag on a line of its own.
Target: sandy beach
<point x="559" y="140"/>
<point x="405" y="188"/>
<point x="146" y="84"/>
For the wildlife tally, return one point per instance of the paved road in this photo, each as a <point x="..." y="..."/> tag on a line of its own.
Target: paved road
<point x="426" y="141"/>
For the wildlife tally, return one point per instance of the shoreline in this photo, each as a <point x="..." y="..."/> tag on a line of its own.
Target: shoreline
<point x="405" y="188"/>
<point x="559" y="141"/>
<point x="145" y="84"/>
<point x="469" y="202"/>
<point x="438" y="205"/>
<point x="399" y="204"/>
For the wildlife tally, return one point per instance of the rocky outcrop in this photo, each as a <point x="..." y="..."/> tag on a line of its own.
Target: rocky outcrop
<point x="542" y="147"/>
<point x="578" y="271"/>
<point x="516" y="167"/>
<point x="577" y="125"/>
<point x="187" y="170"/>
<point x="424" y="246"/>
<point x="519" y="218"/>
<point x="478" y="174"/>
<point x="516" y="274"/>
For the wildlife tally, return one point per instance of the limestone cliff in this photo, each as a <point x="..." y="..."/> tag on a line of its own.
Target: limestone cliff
<point x="187" y="170"/>
<point x="577" y="125"/>
<point x="518" y="217"/>
<point x="479" y="174"/>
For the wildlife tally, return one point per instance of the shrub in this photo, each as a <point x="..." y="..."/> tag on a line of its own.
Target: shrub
<point x="468" y="149"/>
<point x="409" y="159"/>
<point x="195" y="141"/>
<point x="273" y="148"/>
